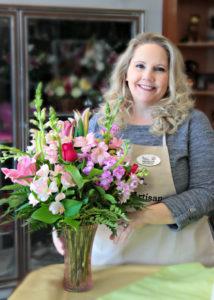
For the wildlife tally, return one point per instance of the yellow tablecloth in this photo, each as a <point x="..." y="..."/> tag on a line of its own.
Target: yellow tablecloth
<point x="46" y="283"/>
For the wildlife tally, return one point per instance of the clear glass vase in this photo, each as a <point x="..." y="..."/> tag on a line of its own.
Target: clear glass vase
<point x="77" y="260"/>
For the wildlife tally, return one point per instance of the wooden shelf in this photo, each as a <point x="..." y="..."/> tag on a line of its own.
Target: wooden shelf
<point x="208" y="44"/>
<point x="203" y="93"/>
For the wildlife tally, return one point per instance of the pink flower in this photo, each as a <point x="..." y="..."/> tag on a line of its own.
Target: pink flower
<point x="26" y="167"/>
<point x="85" y="143"/>
<point x="66" y="130"/>
<point x="66" y="180"/>
<point x="43" y="171"/>
<point x="100" y="154"/>
<point x="68" y="152"/>
<point x="115" y="143"/>
<point x="58" y="169"/>
<point x="41" y="189"/>
<point x="51" y="152"/>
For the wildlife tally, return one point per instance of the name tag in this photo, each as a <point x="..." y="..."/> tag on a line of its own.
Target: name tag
<point x="148" y="160"/>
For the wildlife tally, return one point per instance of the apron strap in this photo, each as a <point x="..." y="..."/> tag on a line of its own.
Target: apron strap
<point x="164" y="140"/>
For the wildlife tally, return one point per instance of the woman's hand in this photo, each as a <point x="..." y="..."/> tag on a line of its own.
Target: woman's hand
<point x="152" y="214"/>
<point x="58" y="242"/>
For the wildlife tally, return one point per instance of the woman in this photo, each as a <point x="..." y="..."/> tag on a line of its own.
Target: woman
<point x="158" y="118"/>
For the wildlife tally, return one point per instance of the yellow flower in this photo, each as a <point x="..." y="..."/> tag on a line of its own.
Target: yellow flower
<point x="84" y="84"/>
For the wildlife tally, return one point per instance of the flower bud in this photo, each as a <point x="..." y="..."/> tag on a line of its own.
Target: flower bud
<point x="134" y="168"/>
<point x="68" y="152"/>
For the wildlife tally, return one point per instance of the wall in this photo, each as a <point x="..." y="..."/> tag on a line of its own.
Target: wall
<point x="153" y="8"/>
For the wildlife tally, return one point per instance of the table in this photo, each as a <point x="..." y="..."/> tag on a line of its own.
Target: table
<point x="46" y="283"/>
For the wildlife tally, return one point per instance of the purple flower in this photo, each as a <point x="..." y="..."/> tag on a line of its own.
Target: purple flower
<point x="109" y="162"/>
<point x="105" y="180"/>
<point x="119" y="172"/>
<point x="114" y="129"/>
<point x="134" y="182"/>
<point x="88" y="168"/>
<point x="124" y="190"/>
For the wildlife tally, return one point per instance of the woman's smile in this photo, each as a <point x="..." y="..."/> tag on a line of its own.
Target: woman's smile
<point x="147" y="75"/>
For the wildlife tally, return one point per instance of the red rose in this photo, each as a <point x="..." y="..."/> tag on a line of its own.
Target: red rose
<point x="68" y="152"/>
<point x="134" y="168"/>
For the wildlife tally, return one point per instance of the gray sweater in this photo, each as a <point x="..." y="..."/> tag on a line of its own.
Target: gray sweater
<point x="191" y="151"/>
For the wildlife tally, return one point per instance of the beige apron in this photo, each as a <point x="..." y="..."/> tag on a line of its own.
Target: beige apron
<point x="156" y="244"/>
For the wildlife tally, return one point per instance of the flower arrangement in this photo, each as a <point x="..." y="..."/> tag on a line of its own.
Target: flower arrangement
<point x="69" y="176"/>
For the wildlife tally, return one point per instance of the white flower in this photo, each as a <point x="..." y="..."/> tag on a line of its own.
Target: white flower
<point x="56" y="208"/>
<point x="43" y="171"/>
<point x="32" y="199"/>
<point x="60" y="91"/>
<point x="60" y="196"/>
<point x="53" y="187"/>
<point x="76" y="92"/>
<point x="40" y="187"/>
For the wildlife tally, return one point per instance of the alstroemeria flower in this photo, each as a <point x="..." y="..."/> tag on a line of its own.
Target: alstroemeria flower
<point x="58" y="169"/>
<point x="66" y="180"/>
<point x="40" y="187"/>
<point x="32" y="199"/>
<point x="43" y="171"/>
<point x="115" y="143"/>
<point x="68" y="152"/>
<point x="56" y="208"/>
<point x="53" y="187"/>
<point x="100" y="154"/>
<point x="26" y="167"/>
<point x="85" y="143"/>
<point x="60" y="197"/>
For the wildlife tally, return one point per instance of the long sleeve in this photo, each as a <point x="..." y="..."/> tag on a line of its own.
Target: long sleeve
<point x="198" y="199"/>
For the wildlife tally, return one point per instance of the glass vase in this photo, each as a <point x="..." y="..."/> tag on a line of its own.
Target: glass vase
<point x="77" y="259"/>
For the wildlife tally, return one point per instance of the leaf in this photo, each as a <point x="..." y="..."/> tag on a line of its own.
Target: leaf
<point x="100" y="190"/>
<point x="72" y="207"/>
<point x="15" y="201"/>
<point x="10" y="187"/>
<point x="95" y="172"/>
<point x="23" y="206"/>
<point x="44" y="215"/>
<point x="78" y="179"/>
<point x="69" y="193"/>
<point x="79" y="129"/>
<point x="73" y="223"/>
<point x="110" y="198"/>
<point x="4" y="201"/>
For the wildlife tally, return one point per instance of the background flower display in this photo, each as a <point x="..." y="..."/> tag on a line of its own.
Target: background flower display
<point x="84" y="75"/>
<point x="68" y="176"/>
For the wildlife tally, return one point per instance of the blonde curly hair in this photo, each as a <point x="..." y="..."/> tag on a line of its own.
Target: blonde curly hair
<point x="170" y="111"/>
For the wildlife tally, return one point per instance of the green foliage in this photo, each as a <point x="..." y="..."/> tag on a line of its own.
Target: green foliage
<point x="10" y="152"/>
<point x="72" y="207"/>
<point x="44" y="215"/>
<point x="77" y="177"/>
